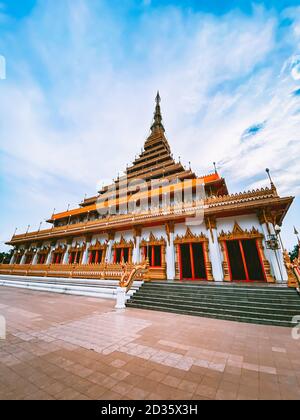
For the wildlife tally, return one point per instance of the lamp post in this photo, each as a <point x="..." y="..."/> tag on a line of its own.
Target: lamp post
<point x="278" y="231"/>
<point x="274" y="244"/>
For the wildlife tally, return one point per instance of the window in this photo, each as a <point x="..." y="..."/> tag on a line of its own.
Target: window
<point x="57" y="258"/>
<point x="75" y="257"/>
<point x="42" y="258"/>
<point x="155" y="255"/>
<point x="29" y="259"/>
<point x="121" y="255"/>
<point x="96" y="256"/>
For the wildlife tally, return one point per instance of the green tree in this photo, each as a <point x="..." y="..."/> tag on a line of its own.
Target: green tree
<point x="294" y="254"/>
<point x="5" y="257"/>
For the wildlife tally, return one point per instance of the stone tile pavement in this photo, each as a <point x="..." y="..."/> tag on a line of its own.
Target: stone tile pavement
<point x="67" y="347"/>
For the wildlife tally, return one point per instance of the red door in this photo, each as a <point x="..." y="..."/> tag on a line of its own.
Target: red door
<point x="245" y="261"/>
<point x="192" y="261"/>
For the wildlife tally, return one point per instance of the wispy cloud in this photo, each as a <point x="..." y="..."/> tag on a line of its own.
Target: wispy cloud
<point x="78" y="100"/>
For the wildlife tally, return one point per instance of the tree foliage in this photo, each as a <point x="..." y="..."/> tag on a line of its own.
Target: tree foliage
<point x="5" y="257"/>
<point x="294" y="254"/>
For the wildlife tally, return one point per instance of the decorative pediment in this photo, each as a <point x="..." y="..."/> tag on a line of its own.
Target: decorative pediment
<point x="97" y="246"/>
<point x="78" y="247"/>
<point x="123" y="243"/>
<point x="60" y="249"/>
<point x="238" y="233"/>
<point x="153" y="240"/>
<point x="44" y="250"/>
<point x="190" y="237"/>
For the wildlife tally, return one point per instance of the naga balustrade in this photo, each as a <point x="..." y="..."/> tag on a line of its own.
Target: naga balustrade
<point x="293" y="270"/>
<point x="91" y="271"/>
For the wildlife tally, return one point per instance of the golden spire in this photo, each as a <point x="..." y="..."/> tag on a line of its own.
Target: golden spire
<point x="157" y="124"/>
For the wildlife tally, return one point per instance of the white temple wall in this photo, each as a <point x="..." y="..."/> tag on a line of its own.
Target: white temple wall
<point x="180" y="229"/>
<point x="158" y="232"/>
<point x="127" y="235"/>
<point x="245" y="222"/>
<point x="100" y="238"/>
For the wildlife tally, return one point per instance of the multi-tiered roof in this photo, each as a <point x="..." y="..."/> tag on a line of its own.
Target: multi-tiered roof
<point x="156" y="162"/>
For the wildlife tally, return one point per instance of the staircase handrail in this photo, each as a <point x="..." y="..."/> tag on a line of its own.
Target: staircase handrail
<point x="129" y="277"/>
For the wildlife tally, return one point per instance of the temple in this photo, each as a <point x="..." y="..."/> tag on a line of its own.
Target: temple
<point x="187" y="227"/>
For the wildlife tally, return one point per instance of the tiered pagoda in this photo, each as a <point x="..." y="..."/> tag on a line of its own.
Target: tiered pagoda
<point x="187" y="227"/>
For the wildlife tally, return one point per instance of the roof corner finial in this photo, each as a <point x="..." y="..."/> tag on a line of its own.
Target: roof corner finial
<point x="215" y="166"/>
<point x="271" y="180"/>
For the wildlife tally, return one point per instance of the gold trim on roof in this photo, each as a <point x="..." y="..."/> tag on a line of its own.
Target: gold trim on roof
<point x="239" y="233"/>
<point x="190" y="237"/>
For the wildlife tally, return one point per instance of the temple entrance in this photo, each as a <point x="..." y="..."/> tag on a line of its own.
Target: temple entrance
<point x="192" y="261"/>
<point x="245" y="262"/>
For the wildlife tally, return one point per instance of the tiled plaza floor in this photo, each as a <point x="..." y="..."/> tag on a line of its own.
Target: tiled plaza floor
<point x="66" y="347"/>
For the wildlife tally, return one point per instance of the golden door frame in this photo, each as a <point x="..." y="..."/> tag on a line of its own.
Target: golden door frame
<point x="157" y="273"/>
<point x="99" y="247"/>
<point x="77" y="248"/>
<point x="61" y="249"/>
<point x="125" y="244"/>
<point x="188" y="238"/>
<point x="239" y="234"/>
<point x="44" y="251"/>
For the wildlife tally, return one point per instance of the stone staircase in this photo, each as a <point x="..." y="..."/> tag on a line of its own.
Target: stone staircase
<point x="257" y="304"/>
<point x="104" y="289"/>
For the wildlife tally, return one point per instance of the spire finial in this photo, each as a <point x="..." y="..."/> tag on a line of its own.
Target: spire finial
<point x="157" y="125"/>
<point x="158" y="98"/>
<point x="271" y="180"/>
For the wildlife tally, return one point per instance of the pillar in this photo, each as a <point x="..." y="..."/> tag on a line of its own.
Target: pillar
<point x="35" y="258"/>
<point x="282" y="276"/>
<point x="214" y="249"/>
<point x="66" y="256"/>
<point x="85" y="258"/>
<point x="121" y="298"/>
<point x="13" y="258"/>
<point x="170" y="251"/>
<point x="136" y="257"/>
<point x="23" y="259"/>
<point x="111" y="237"/>
<point x="49" y="257"/>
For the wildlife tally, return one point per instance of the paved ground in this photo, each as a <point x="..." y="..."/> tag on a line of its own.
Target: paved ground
<point x="65" y="347"/>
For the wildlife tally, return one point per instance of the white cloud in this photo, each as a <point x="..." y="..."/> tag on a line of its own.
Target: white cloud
<point x="78" y="108"/>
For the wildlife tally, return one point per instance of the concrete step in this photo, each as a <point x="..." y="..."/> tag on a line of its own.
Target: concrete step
<point x="262" y="304"/>
<point x="262" y="307"/>
<point x="234" y="311"/>
<point x="104" y="289"/>
<point x="216" y="315"/>
<point x="279" y="302"/>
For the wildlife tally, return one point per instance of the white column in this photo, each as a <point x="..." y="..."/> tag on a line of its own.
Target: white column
<point x="23" y="259"/>
<point x="136" y="257"/>
<point x="49" y="258"/>
<point x="273" y="257"/>
<point x="121" y="298"/>
<point x="170" y="258"/>
<point x="35" y="258"/>
<point x="85" y="258"/>
<point x="66" y="256"/>
<point x="215" y="256"/>
<point x="108" y="256"/>
<point x="13" y="258"/>
<point x="278" y="257"/>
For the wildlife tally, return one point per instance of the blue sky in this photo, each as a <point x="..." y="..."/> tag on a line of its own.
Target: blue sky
<point x="77" y="102"/>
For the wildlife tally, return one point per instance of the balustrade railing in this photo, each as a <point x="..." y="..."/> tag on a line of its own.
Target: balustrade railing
<point x="92" y="271"/>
